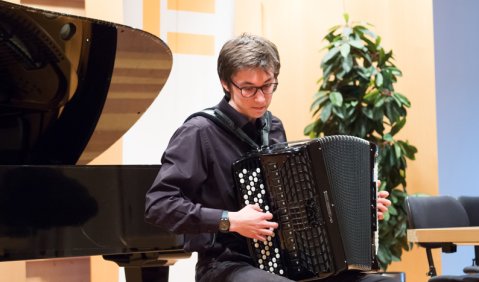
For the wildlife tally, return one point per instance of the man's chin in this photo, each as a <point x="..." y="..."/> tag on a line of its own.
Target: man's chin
<point x="259" y="113"/>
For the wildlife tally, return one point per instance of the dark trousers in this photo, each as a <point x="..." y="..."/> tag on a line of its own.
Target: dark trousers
<point x="241" y="271"/>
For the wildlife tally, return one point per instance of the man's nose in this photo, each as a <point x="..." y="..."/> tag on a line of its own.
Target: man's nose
<point x="260" y="96"/>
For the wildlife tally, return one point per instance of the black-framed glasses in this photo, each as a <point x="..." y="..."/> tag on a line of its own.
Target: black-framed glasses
<point x="250" y="91"/>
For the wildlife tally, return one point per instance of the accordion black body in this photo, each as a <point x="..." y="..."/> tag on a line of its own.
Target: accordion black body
<point x="322" y="192"/>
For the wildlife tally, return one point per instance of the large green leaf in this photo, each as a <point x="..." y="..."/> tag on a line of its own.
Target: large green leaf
<point x="347" y="64"/>
<point x="379" y="79"/>
<point x="347" y="31"/>
<point x="344" y="49"/>
<point x="308" y="129"/>
<point x="336" y="98"/>
<point x="397" y="150"/>
<point x="326" y="112"/>
<point x="371" y="96"/>
<point x="403" y="99"/>
<point x="331" y="53"/>
<point x="398" y="126"/>
<point x="319" y="98"/>
<point x="356" y="43"/>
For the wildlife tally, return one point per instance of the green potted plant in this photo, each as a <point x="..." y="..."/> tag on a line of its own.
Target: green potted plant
<point x="356" y="97"/>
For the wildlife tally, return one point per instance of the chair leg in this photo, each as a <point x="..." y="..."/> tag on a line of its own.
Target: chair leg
<point x="476" y="256"/>
<point x="432" y="269"/>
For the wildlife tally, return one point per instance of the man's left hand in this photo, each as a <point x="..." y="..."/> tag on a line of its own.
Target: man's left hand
<point x="382" y="204"/>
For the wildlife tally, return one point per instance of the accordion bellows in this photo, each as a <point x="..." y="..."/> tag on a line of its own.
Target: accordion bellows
<point x="322" y="192"/>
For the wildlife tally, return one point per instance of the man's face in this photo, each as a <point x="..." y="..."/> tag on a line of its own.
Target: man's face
<point x="253" y="107"/>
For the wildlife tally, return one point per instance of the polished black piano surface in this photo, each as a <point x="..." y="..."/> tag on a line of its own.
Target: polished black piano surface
<point x="69" y="88"/>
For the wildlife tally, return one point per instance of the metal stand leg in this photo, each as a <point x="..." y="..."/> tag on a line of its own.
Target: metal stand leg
<point x="147" y="267"/>
<point x="147" y="274"/>
<point x="432" y="269"/>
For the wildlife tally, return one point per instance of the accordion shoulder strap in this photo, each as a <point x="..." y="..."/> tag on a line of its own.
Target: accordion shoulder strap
<point x="223" y="121"/>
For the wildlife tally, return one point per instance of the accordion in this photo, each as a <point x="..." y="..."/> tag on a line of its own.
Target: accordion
<point x="322" y="192"/>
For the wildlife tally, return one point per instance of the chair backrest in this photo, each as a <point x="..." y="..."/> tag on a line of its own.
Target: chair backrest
<point x="471" y="204"/>
<point x="435" y="212"/>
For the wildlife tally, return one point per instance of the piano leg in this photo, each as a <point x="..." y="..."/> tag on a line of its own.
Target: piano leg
<point x="147" y="274"/>
<point x="147" y="267"/>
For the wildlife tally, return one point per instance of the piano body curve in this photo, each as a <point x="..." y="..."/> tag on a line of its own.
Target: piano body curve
<point x="69" y="88"/>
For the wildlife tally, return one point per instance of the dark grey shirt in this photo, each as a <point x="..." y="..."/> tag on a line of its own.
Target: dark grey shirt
<point x="195" y="184"/>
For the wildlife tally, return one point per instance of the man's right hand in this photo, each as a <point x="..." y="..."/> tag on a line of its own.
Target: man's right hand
<point x="252" y="222"/>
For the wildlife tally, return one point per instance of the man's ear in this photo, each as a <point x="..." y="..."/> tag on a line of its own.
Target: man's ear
<point x="225" y="86"/>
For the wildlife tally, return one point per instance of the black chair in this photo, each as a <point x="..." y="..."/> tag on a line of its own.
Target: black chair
<point x="471" y="205"/>
<point x="438" y="212"/>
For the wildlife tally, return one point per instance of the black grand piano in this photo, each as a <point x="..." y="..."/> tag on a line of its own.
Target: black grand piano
<point x="69" y="88"/>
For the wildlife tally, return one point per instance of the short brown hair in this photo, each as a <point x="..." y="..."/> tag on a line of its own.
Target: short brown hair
<point x="247" y="51"/>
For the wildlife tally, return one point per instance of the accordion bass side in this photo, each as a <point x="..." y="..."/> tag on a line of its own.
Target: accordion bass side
<point x="322" y="192"/>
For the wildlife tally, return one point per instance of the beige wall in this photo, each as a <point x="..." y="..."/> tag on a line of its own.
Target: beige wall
<point x="73" y="7"/>
<point x="297" y="28"/>
<point x="108" y="10"/>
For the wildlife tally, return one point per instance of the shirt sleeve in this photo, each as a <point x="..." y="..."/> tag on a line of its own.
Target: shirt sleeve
<point x="169" y="202"/>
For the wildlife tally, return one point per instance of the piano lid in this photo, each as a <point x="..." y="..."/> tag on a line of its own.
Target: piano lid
<point x="71" y="86"/>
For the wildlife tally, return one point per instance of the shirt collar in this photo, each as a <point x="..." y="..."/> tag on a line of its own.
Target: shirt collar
<point x="239" y="119"/>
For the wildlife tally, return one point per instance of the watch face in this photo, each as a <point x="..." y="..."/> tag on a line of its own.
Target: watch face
<point x="224" y="225"/>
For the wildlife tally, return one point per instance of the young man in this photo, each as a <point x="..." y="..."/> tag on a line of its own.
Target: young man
<point x="194" y="192"/>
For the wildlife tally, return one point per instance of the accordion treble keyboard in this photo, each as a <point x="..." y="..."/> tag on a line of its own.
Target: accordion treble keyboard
<point x="301" y="238"/>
